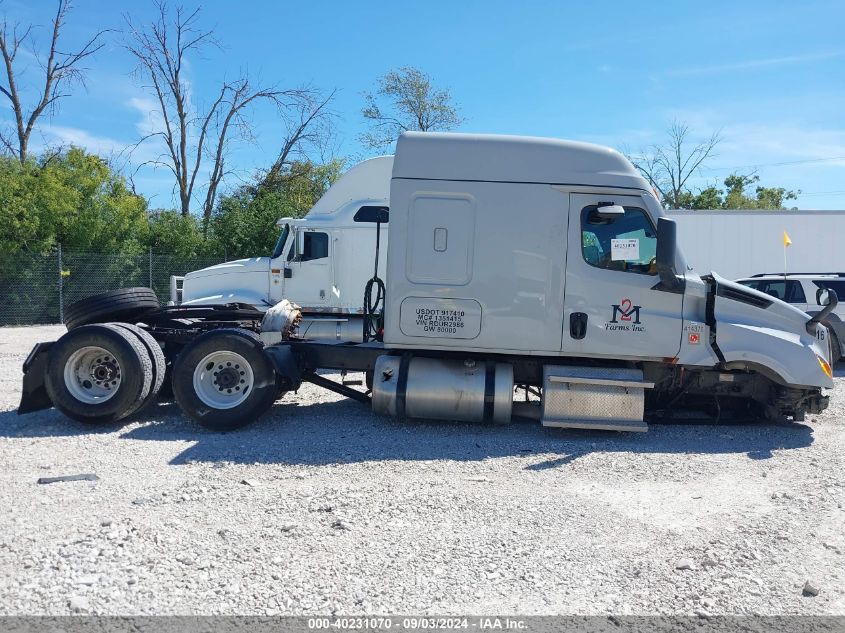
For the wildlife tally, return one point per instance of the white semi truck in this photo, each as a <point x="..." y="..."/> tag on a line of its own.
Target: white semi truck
<point x="318" y="259"/>
<point x="320" y="262"/>
<point x="513" y="264"/>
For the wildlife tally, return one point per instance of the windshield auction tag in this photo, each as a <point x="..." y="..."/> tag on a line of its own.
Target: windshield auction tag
<point x="625" y="250"/>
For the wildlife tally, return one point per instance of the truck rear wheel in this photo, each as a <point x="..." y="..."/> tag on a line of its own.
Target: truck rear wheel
<point x="98" y="374"/>
<point x="126" y="304"/>
<point x="223" y="379"/>
<point x="159" y="363"/>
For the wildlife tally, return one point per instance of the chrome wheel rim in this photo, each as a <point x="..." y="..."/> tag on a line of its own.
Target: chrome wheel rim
<point x="223" y="379"/>
<point x="92" y="375"/>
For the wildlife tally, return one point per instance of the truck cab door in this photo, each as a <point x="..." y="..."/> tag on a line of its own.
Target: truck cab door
<point x="611" y="305"/>
<point x="309" y="261"/>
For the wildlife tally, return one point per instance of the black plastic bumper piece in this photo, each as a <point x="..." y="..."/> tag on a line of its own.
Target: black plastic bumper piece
<point x="34" y="396"/>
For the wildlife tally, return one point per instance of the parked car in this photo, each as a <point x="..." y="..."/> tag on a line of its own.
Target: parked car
<point x="800" y="290"/>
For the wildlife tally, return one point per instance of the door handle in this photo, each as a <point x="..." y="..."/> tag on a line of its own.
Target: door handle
<point x="578" y="325"/>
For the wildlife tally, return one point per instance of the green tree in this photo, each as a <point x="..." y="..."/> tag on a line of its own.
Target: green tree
<point x="179" y="236"/>
<point x="738" y="197"/>
<point x="405" y="99"/>
<point x="244" y="223"/>
<point x="73" y="198"/>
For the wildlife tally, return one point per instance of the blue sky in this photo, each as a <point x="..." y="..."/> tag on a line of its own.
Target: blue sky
<point x="769" y="75"/>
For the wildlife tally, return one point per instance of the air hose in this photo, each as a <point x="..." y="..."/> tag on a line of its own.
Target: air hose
<point x="374" y="305"/>
<point x="373" y="309"/>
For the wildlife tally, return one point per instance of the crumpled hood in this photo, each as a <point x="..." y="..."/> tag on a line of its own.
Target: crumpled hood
<point x="777" y="313"/>
<point x="238" y="266"/>
<point x="753" y="327"/>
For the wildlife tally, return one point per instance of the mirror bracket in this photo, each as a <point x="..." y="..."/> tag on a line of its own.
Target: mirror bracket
<point x="609" y="210"/>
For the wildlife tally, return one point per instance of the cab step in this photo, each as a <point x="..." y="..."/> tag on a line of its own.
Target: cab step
<point x="601" y="398"/>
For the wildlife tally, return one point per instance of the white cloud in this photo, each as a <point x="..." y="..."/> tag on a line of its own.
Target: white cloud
<point x="752" y="64"/>
<point x="150" y="120"/>
<point x="65" y="135"/>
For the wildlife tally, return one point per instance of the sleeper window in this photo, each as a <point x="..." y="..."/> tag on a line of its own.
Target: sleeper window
<point x="627" y="243"/>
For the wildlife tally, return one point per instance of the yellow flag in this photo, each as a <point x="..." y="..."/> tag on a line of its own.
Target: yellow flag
<point x="786" y="240"/>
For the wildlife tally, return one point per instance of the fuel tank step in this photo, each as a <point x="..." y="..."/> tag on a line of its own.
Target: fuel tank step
<point x="602" y="398"/>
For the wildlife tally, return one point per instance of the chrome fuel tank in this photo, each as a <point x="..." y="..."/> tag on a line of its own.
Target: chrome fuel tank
<point x="418" y="387"/>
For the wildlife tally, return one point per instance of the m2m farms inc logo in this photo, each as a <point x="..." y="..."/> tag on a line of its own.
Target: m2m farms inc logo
<point x="626" y="317"/>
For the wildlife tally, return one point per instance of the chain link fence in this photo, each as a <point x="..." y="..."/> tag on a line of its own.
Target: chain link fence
<point x="35" y="289"/>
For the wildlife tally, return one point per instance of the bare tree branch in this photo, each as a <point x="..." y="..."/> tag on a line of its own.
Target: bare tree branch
<point x="310" y="125"/>
<point x="669" y="167"/>
<point x="196" y="142"/>
<point x="59" y="69"/>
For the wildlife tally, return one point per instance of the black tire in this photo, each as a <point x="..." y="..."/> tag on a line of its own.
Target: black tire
<point x="259" y="398"/>
<point x="126" y="304"/>
<point x="166" y="393"/>
<point x="156" y="355"/>
<point x="834" y="346"/>
<point x="124" y="359"/>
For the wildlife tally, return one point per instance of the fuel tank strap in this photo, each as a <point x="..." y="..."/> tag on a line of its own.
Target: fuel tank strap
<point x="402" y="385"/>
<point x="489" y="389"/>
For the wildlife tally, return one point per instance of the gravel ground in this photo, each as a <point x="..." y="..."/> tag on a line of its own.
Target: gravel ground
<point x="324" y="507"/>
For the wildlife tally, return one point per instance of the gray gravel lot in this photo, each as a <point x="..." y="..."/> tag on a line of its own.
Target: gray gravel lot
<point x="324" y="507"/>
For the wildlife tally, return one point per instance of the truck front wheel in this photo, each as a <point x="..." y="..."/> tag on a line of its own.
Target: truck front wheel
<point x="223" y="379"/>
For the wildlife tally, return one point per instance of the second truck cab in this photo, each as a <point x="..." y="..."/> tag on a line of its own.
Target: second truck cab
<point x="320" y="261"/>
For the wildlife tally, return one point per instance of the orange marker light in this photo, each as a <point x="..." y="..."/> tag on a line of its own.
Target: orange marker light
<point x="825" y="366"/>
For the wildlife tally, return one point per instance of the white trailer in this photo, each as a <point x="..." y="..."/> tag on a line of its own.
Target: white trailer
<point x="514" y="263"/>
<point x="744" y="243"/>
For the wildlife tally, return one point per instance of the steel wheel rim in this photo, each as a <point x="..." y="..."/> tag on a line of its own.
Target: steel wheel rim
<point x="223" y="379"/>
<point x="92" y="375"/>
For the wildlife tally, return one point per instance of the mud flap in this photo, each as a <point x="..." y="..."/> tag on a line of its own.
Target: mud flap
<point x="34" y="396"/>
<point x="285" y="363"/>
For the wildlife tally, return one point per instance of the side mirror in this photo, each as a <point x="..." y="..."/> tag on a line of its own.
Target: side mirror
<point x="831" y="300"/>
<point x="610" y="211"/>
<point x="822" y="296"/>
<point x="667" y="236"/>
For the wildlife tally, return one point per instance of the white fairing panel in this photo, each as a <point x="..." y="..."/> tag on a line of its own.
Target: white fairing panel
<point x="773" y="337"/>
<point x="463" y="274"/>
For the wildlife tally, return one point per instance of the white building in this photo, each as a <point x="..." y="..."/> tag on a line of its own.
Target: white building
<point x="743" y="243"/>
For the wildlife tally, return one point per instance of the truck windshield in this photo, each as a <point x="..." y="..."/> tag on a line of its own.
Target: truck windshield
<point x="280" y="243"/>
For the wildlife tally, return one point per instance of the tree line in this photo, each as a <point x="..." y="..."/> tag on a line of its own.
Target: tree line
<point x="87" y="202"/>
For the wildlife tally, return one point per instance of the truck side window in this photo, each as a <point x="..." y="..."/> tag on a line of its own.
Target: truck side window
<point x="597" y="234"/>
<point x="315" y="246"/>
<point x="789" y="291"/>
